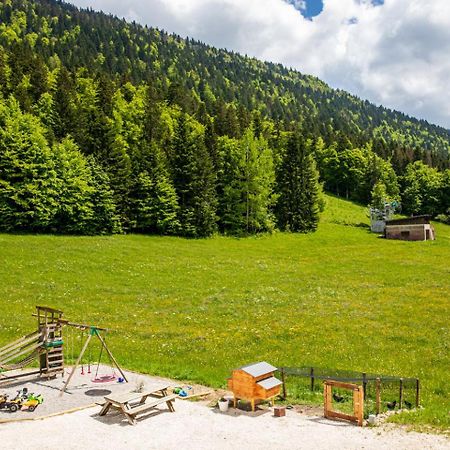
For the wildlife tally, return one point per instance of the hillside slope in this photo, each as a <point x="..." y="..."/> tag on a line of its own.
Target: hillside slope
<point x="339" y="298"/>
<point x="60" y="32"/>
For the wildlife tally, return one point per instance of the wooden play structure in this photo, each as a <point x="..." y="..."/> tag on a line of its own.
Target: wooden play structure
<point x="358" y="401"/>
<point x="254" y="382"/>
<point x="45" y="347"/>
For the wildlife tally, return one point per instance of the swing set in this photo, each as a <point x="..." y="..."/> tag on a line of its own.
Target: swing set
<point x="93" y="332"/>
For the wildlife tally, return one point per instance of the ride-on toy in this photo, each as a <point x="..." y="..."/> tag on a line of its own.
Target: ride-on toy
<point x="32" y="402"/>
<point x="3" y="400"/>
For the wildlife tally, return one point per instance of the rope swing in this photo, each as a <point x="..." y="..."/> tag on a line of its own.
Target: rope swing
<point x="104" y="378"/>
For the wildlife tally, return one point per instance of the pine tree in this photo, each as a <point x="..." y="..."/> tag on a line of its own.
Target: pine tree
<point x="119" y="169"/>
<point x="105" y="219"/>
<point x="154" y="200"/>
<point x="28" y="182"/>
<point x="75" y="211"/>
<point x="4" y="73"/>
<point x="65" y="105"/>
<point x="299" y="188"/>
<point x="246" y="182"/>
<point x="194" y="180"/>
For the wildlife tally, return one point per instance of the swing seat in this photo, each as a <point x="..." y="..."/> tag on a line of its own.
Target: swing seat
<point x="104" y="379"/>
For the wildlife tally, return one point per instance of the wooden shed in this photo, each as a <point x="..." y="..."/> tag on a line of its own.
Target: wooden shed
<point x="416" y="228"/>
<point x="254" y="382"/>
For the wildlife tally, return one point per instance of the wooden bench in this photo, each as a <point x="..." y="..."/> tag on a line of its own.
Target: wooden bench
<point x="140" y="408"/>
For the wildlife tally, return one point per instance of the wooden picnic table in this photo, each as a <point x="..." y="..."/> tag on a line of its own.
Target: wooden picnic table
<point x="133" y="403"/>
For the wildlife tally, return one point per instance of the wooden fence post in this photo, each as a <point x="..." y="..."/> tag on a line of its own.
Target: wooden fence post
<point x="358" y="403"/>
<point x="364" y="384"/>
<point x="283" y="379"/>
<point x="400" y="405"/>
<point x="417" y="393"/>
<point x="312" y="378"/>
<point x="378" y="395"/>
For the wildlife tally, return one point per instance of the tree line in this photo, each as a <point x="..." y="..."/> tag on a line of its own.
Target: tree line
<point x="147" y="166"/>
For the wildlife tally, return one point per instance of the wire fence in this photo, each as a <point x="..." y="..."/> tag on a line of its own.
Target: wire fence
<point x="381" y="392"/>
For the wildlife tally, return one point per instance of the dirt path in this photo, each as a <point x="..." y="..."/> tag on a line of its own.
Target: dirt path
<point x="196" y="426"/>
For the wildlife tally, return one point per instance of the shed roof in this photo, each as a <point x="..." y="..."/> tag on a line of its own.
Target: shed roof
<point x="258" y="369"/>
<point x="269" y="383"/>
<point x="415" y="220"/>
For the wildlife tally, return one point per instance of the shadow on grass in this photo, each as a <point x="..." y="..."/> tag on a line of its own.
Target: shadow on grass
<point x="353" y="225"/>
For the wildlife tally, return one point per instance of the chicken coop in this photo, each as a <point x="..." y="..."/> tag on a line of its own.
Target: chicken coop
<point x="255" y="382"/>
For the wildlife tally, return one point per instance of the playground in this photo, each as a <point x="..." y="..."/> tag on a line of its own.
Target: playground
<point x="53" y="388"/>
<point x="82" y="393"/>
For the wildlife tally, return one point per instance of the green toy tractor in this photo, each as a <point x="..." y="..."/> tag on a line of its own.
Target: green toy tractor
<point x="32" y="402"/>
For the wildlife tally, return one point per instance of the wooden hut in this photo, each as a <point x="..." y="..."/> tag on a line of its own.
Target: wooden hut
<point x="254" y="382"/>
<point x="416" y="228"/>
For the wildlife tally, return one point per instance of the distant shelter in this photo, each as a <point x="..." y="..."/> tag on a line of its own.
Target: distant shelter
<point x="416" y="228"/>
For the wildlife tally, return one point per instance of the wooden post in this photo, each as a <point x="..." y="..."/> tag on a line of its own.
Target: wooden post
<point x="378" y="395"/>
<point x="400" y="400"/>
<point x="365" y="384"/>
<point x="283" y="379"/>
<point x="327" y="399"/>
<point x="76" y="365"/>
<point x="312" y="378"/>
<point x="358" y="404"/>
<point x="417" y="393"/>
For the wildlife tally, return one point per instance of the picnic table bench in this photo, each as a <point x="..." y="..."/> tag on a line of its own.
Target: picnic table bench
<point x="132" y="404"/>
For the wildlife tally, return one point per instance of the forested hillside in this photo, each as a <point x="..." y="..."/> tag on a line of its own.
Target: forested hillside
<point x="107" y="126"/>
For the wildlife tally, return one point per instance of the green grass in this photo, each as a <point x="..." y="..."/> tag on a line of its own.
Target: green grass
<point x="194" y="309"/>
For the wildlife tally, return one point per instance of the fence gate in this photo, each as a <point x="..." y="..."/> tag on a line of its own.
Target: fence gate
<point x="358" y="401"/>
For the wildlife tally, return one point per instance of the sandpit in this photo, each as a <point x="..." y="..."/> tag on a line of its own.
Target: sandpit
<point x="82" y="392"/>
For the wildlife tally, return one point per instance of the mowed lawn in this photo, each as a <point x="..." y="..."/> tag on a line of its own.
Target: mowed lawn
<point x="194" y="309"/>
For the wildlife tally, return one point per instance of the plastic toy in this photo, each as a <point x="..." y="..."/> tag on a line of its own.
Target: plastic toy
<point x="3" y="400"/>
<point x="32" y="402"/>
<point x="16" y="403"/>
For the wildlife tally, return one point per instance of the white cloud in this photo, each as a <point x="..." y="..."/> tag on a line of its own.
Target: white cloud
<point x="396" y="54"/>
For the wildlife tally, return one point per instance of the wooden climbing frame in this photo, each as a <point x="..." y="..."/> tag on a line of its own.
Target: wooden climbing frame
<point x="358" y="401"/>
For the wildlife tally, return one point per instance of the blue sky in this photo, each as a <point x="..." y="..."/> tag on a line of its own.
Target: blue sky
<point x="391" y="52"/>
<point x="309" y="8"/>
<point x="312" y="8"/>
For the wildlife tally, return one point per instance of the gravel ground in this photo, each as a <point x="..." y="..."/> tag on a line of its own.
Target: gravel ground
<point x="194" y="425"/>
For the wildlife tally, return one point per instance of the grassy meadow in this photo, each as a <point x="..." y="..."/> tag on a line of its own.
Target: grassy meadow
<point x="194" y="309"/>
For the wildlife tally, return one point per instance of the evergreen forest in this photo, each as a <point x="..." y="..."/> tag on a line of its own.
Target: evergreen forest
<point x="112" y="127"/>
